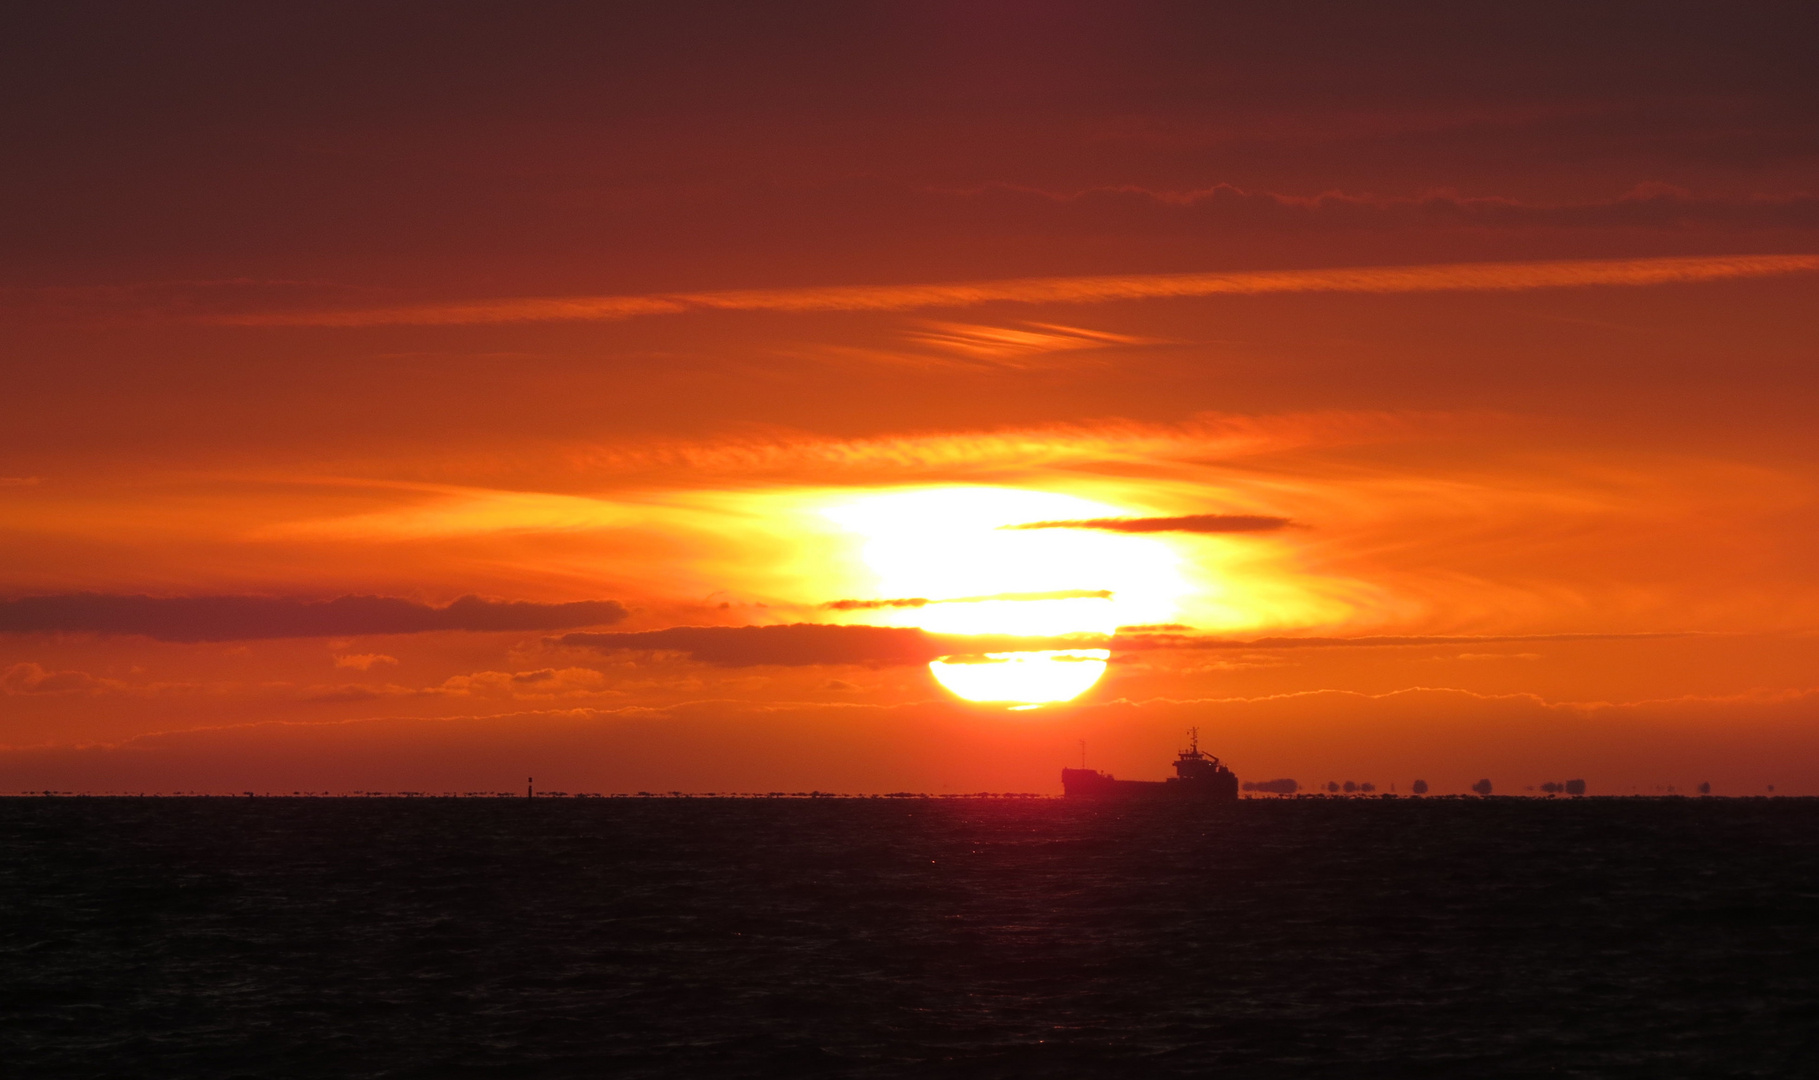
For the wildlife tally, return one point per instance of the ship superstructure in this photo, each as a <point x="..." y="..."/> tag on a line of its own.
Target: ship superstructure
<point x="1198" y="776"/>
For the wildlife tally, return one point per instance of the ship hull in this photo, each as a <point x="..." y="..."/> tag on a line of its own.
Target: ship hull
<point x="1092" y="785"/>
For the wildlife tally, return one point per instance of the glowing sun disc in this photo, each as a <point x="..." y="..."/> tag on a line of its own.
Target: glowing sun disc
<point x="1022" y="678"/>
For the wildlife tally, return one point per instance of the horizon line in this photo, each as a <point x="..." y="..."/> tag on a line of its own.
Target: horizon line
<point x="1309" y="793"/>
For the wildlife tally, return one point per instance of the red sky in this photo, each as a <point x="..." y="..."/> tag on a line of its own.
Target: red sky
<point x="1502" y="322"/>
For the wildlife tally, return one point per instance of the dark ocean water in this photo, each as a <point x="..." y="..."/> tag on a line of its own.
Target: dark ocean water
<point x="899" y="938"/>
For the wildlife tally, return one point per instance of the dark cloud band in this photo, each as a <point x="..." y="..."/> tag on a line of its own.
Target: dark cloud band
<point x="796" y="645"/>
<point x="803" y="644"/>
<point x="246" y="618"/>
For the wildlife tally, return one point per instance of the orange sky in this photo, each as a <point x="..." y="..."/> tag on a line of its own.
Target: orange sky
<point x="1498" y="329"/>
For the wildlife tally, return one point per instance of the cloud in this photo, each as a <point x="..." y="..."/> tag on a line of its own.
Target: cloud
<point x="1452" y="277"/>
<point x="349" y="692"/>
<point x="245" y="618"/>
<point x="794" y="645"/>
<point x="1138" y="641"/>
<point x="1492" y="656"/>
<point x="1205" y="437"/>
<point x="1191" y="523"/>
<point x="1228" y="208"/>
<point x="31" y="678"/>
<point x="921" y="601"/>
<point x="542" y="683"/>
<point x="364" y="661"/>
<point x="1016" y="346"/>
<point x="802" y="644"/>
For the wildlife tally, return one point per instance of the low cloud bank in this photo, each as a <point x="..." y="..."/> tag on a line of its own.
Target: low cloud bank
<point x="246" y="618"/>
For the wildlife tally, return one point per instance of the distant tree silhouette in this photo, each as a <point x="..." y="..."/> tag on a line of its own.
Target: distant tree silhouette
<point x="1367" y="786"/>
<point x="1274" y="787"/>
<point x="1332" y="785"/>
<point x="1575" y="787"/>
<point x="1552" y="788"/>
<point x="1482" y="787"/>
<point x="1419" y="787"/>
<point x="1350" y="787"/>
<point x="1705" y="788"/>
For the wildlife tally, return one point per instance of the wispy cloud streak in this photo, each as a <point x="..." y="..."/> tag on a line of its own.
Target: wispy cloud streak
<point x="1191" y="523"/>
<point x="1139" y="641"/>
<point x="1453" y="277"/>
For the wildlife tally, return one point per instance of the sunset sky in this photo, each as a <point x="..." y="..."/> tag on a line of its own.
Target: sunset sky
<point x="428" y="396"/>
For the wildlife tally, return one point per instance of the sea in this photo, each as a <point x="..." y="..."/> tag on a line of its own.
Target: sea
<point x="907" y="937"/>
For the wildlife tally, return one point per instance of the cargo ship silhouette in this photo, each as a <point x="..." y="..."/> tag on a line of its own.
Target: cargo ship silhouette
<point x="1199" y="776"/>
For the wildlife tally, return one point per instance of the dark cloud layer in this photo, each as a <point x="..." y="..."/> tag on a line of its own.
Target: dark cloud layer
<point x="195" y="140"/>
<point x="245" y="618"/>
<point x="795" y="645"/>
<point x="802" y="644"/>
<point x="1193" y="523"/>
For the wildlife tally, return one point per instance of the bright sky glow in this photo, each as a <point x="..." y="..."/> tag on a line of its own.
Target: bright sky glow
<point x="947" y="543"/>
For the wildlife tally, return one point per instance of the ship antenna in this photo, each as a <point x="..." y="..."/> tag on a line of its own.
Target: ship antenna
<point x="1193" y="741"/>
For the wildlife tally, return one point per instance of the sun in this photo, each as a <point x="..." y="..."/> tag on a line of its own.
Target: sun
<point x="945" y="557"/>
<point x="1022" y="679"/>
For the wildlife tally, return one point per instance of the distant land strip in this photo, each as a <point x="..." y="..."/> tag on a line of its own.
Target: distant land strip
<point x="1449" y="277"/>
